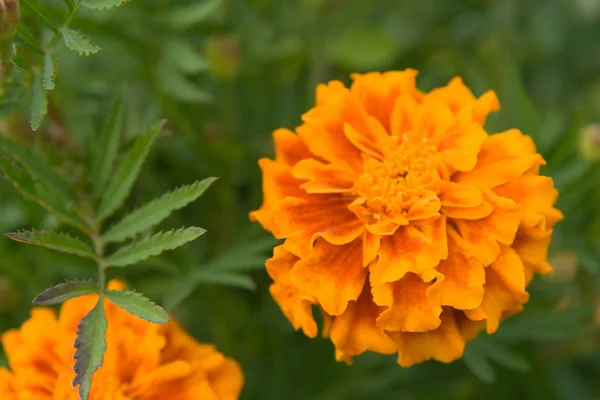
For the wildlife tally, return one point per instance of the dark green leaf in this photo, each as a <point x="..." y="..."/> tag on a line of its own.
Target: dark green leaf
<point x="126" y="174"/>
<point x="79" y="43"/>
<point x="244" y="257"/>
<point x="90" y="346"/>
<point x="25" y="36"/>
<point x="500" y="354"/>
<point x="479" y="365"/>
<point x="152" y="246"/>
<point x="193" y="14"/>
<point x="184" y="57"/>
<point x="179" y="290"/>
<point x="156" y="211"/>
<point x="55" y="241"/>
<point x="37" y="8"/>
<point x="105" y="150"/>
<point x="173" y="83"/>
<point x="65" y="291"/>
<point x="225" y="278"/>
<point x="39" y="103"/>
<point x="138" y="305"/>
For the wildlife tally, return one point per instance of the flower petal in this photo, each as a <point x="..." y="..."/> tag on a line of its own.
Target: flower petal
<point x="329" y="219"/>
<point x="444" y="344"/>
<point x="413" y="248"/>
<point x="504" y="290"/>
<point x="289" y="147"/>
<point x="457" y="195"/>
<point x="371" y="245"/>
<point x="355" y="331"/>
<point x="322" y="178"/>
<point x="408" y="308"/>
<point x="334" y="275"/>
<point x="461" y="279"/>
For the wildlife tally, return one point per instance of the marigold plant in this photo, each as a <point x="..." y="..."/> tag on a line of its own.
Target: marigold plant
<point x="408" y="225"/>
<point x="142" y="361"/>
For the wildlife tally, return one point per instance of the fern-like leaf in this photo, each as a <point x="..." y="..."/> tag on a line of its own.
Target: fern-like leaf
<point x="126" y="174"/>
<point x="156" y="211"/>
<point x="54" y="241"/>
<point x="65" y="291"/>
<point x="138" y="305"/>
<point x="152" y="246"/>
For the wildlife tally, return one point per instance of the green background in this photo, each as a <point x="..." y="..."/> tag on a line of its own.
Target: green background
<point x="226" y="76"/>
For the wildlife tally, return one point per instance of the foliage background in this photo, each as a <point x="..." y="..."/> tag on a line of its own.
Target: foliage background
<point x="226" y="78"/>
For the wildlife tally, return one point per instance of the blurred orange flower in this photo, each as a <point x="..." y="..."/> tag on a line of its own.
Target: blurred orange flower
<point x="142" y="360"/>
<point x="408" y="226"/>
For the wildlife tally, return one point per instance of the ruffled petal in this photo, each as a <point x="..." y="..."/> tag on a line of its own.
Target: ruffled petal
<point x="289" y="147"/>
<point x="322" y="178"/>
<point x="413" y="248"/>
<point x="408" y="307"/>
<point x="355" y="331"/>
<point x="334" y="275"/>
<point x="444" y="344"/>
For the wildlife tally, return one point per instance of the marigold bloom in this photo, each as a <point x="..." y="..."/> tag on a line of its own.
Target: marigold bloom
<point x="143" y="361"/>
<point x="404" y="222"/>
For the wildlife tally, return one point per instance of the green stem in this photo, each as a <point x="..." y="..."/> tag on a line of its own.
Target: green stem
<point x="99" y="249"/>
<point x="65" y="24"/>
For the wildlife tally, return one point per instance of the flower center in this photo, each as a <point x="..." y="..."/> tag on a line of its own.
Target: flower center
<point x="410" y="171"/>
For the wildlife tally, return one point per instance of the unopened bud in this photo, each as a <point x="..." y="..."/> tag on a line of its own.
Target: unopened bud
<point x="590" y="142"/>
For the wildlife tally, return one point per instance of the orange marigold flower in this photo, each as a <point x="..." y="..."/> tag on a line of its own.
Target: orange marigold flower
<point x="143" y="361"/>
<point x="404" y="222"/>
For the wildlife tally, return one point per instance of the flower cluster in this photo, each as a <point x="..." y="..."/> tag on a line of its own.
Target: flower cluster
<point x="143" y="361"/>
<point x="408" y="225"/>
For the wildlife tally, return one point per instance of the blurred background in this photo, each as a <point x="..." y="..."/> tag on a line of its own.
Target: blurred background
<point x="226" y="74"/>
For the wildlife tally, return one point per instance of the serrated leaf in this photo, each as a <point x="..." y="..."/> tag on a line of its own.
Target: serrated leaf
<point x="105" y="152"/>
<point x="34" y="164"/>
<point x="44" y="195"/>
<point x="225" y="278"/>
<point x="104" y="4"/>
<point x="90" y="346"/>
<point x="138" y="305"/>
<point x="152" y="246"/>
<point x="55" y="241"/>
<point x="174" y="84"/>
<point x="193" y="14"/>
<point x="38" y="9"/>
<point x="184" y="57"/>
<point x="126" y="174"/>
<point x="156" y="211"/>
<point x="49" y="71"/>
<point x="78" y="43"/>
<point x="65" y="291"/>
<point x="39" y="103"/>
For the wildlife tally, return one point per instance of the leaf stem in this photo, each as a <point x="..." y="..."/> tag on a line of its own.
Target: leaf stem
<point x="99" y="250"/>
<point x="64" y="25"/>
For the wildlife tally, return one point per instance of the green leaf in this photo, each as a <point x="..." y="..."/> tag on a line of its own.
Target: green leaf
<point x="225" y="278"/>
<point x="156" y="211"/>
<point x="193" y="14"/>
<point x="174" y="84"/>
<point x="243" y="257"/>
<point x="34" y="164"/>
<point x="152" y="246"/>
<point x="123" y="180"/>
<point x="79" y="43"/>
<point x="105" y="151"/>
<point x="25" y="36"/>
<point x="104" y="4"/>
<point x="547" y="325"/>
<point x="499" y="353"/>
<point x="49" y="71"/>
<point x="38" y="9"/>
<point x="184" y="57"/>
<point x="65" y="291"/>
<point x="138" y="305"/>
<point x="39" y="103"/>
<point x="479" y="365"/>
<point x="363" y="48"/>
<point x="179" y="290"/>
<point x="55" y="241"/>
<point x="90" y="346"/>
<point x="45" y="196"/>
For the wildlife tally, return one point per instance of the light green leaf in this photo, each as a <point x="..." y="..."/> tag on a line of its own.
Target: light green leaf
<point x="34" y="164"/>
<point x="363" y="48"/>
<point x="155" y="211"/>
<point x="79" y="43"/>
<point x="55" y="241"/>
<point x="38" y="9"/>
<point x="225" y="278"/>
<point x="104" y="4"/>
<point x="152" y="246"/>
<point x="65" y="291"/>
<point x="49" y="71"/>
<point x="39" y="103"/>
<point x="174" y="84"/>
<point x="90" y="346"/>
<point x="126" y="174"/>
<point x="138" y="305"/>
<point x="193" y="14"/>
<point x="105" y="151"/>
<point x="181" y="55"/>
<point x="44" y="195"/>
